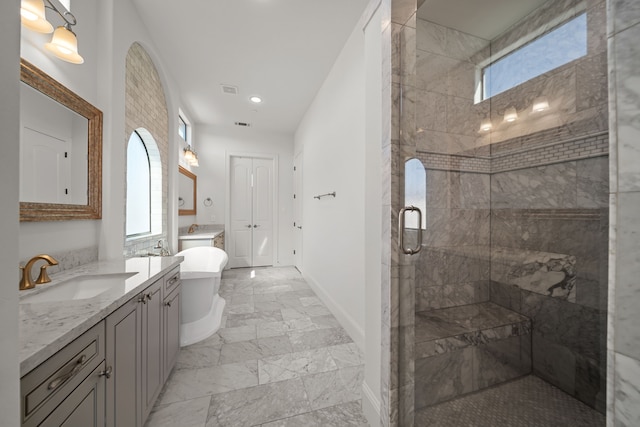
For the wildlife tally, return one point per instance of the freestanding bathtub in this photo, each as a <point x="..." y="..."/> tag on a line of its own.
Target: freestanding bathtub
<point x="201" y="306"/>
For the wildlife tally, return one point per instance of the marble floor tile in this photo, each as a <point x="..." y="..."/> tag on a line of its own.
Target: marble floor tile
<point x="294" y="365"/>
<point x="346" y="355"/>
<point x="202" y="356"/>
<point x="307" y="340"/>
<point x="254" y="349"/>
<point x="257" y="405"/>
<point x="237" y="334"/>
<point x="243" y="319"/>
<point x="188" y="413"/>
<point x="307" y="301"/>
<point x="250" y="373"/>
<point x="334" y="387"/>
<point x="346" y="414"/>
<point x="273" y="329"/>
<point x="192" y="383"/>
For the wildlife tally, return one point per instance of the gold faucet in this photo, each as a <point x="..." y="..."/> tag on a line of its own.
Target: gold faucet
<point x="192" y="228"/>
<point x="26" y="282"/>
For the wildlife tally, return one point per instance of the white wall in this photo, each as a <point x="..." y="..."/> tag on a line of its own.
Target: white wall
<point x="373" y="219"/>
<point x="331" y="136"/>
<point x="213" y="145"/>
<point x="9" y="137"/>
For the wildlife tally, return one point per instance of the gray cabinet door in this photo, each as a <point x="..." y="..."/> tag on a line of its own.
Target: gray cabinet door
<point x="84" y="407"/>
<point x="152" y="340"/>
<point x="171" y="331"/>
<point x="124" y="355"/>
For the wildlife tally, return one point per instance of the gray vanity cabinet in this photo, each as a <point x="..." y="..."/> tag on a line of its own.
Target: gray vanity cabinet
<point x="141" y="335"/>
<point x="134" y="351"/>
<point x="124" y="356"/>
<point x="68" y="388"/>
<point x="152" y="346"/>
<point x="84" y="406"/>
<point x="171" y="304"/>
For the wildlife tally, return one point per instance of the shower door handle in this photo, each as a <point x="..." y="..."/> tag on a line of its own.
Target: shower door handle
<point x="401" y="228"/>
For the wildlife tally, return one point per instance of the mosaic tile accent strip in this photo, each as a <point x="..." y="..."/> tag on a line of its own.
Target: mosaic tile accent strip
<point x="521" y="403"/>
<point x="563" y="151"/>
<point x="520" y="153"/>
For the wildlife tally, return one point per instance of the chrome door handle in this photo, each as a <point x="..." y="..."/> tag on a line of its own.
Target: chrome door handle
<point x="401" y="222"/>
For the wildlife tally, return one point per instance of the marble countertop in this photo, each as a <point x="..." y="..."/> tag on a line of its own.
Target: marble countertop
<point x="201" y="236"/>
<point x="46" y="327"/>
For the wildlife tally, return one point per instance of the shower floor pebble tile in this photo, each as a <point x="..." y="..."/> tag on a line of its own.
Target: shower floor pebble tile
<point x="279" y="359"/>
<point x="526" y="402"/>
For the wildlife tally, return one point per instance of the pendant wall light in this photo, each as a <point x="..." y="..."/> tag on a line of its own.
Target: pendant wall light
<point x="64" y="43"/>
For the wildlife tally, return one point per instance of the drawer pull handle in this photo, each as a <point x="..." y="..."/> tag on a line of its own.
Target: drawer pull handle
<point x="168" y="303"/>
<point x="66" y="377"/>
<point x="106" y="373"/>
<point x="172" y="281"/>
<point x="143" y="298"/>
<point x="149" y="297"/>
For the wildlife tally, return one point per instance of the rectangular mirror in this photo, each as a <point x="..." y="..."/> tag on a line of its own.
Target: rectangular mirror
<point x="60" y="151"/>
<point x="187" y="187"/>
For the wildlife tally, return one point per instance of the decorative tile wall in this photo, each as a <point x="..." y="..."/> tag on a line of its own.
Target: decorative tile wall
<point x="146" y="107"/>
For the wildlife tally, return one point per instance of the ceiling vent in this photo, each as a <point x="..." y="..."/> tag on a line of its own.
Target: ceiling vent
<point x="243" y="124"/>
<point x="231" y="90"/>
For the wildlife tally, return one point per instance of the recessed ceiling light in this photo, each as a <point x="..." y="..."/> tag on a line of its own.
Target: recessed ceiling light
<point x="255" y="99"/>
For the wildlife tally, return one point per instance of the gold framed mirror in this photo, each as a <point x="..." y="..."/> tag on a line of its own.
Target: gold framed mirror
<point x="187" y="188"/>
<point x="87" y="204"/>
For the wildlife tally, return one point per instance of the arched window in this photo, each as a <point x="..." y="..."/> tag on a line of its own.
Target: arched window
<point x="138" y="187"/>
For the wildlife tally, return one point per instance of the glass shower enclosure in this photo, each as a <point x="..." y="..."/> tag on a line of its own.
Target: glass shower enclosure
<point x="504" y="137"/>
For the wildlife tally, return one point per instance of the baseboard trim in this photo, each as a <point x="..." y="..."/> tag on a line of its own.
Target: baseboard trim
<point x="370" y="405"/>
<point x="355" y="332"/>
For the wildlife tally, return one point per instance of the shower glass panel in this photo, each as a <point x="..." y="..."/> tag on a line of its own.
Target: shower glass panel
<point x="511" y="284"/>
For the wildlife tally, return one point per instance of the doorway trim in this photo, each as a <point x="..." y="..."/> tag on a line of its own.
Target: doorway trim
<point x="275" y="195"/>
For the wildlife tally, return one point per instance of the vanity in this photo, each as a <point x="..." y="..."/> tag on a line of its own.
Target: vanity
<point x="210" y="238"/>
<point x="99" y="354"/>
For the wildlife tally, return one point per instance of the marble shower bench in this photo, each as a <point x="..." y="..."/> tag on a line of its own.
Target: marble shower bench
<point x="467" y="348"/>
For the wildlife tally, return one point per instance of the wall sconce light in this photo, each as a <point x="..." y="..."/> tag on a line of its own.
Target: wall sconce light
<point x="510" y="115"/>
<point x="540" y="104"/>
<point x="486" y="125"/>
<point x="64" y="43"/>
<point x="191" y="156"/>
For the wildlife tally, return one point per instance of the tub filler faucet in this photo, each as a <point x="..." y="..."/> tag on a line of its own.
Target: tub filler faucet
<point x="26" y="282"/>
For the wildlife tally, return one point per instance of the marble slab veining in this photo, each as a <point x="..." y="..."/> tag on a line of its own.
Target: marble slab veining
<point x="464" y="320"/>
<point x="47" y="327"/>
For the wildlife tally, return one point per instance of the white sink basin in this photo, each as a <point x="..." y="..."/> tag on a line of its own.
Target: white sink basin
<point x="78" y="288"/>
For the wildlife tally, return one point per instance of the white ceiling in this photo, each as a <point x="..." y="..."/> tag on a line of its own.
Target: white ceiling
<point x="281" y="50"/>
<point x="486" y="19"/>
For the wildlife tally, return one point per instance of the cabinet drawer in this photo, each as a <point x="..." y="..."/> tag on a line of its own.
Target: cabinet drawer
<point x="42" y="389"/>
<point x="171" y="280"/>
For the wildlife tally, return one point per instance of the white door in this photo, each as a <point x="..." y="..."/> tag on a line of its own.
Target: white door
<point x="251" y="243"/>
<point x="297" y="211"/>
<point x="47" y="162"/>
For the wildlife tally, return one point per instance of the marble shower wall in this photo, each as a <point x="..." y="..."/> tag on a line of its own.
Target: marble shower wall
<point x="549" y="198"/>
<point x="623" y="405"/>
<point x="543" y="213"/>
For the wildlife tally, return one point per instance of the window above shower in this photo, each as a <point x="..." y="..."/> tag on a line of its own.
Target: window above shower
<point x="528" y="59"/>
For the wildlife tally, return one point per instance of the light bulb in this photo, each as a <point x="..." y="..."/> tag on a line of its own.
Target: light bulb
<point x="510" y="115"/>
